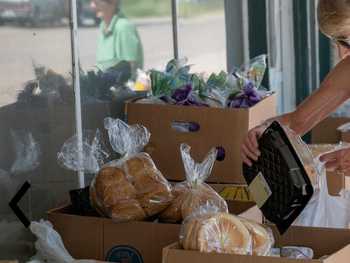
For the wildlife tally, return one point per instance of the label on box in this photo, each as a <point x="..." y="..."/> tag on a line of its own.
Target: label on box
<point x="124" y="254"/>
<point x="236" y="193"/>
<point x="260" y="190"/>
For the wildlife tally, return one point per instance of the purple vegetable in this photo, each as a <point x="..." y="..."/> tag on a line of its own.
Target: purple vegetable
<point x="181" y="94"/>
<point x="247" y="98"/>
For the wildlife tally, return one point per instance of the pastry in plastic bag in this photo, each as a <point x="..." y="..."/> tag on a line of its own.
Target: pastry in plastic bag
<point x="193" y="193"/>
<point x="262" y="238"/>
<point x="216" y="232"/>
<point x="131" y="188"/>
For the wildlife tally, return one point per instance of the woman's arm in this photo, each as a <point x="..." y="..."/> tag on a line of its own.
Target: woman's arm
<point x="334" y="90"/>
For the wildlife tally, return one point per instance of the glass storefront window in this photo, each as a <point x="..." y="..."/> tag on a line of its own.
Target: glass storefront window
<point x="36" y="114"/>
<point x="202" y="34"/>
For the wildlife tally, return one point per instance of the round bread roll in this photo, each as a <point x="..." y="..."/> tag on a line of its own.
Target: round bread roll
<point x="112" y="186"/>
<point x="95" y="203"/>
<point x="155" y="202"/>
<point x="153" y="190"/>
<point x="127" y="210"/>
<point x="199" y="196"/>
<point x="173" y="213"/>
<point x="224" y="233"/>
<point x="262" y="240"/>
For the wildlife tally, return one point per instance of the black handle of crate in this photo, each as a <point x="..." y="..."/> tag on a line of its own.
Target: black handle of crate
<point x="14" y="204"/>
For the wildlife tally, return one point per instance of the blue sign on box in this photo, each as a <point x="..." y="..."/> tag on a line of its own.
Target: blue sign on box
<point x="124" y="254"/>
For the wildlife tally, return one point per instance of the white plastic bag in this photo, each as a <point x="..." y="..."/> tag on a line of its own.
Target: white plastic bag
<point x="325" y="210"/>
<point x="49" y="245"/>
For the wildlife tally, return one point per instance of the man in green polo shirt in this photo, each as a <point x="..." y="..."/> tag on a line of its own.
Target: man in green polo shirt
<point x="118" y="39"/>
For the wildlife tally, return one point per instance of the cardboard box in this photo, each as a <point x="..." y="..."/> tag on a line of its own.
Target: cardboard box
<point x="326" y="131"/>
<point x="87" y="237"/>
<point x="218" y="128"/>
<point x="332" y="242"/>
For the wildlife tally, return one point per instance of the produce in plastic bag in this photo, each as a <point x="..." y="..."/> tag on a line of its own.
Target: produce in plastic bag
<point x="49" y="245"/>
<point x="131" y="188"/>
<point x="325" y="210"/>
<point x="194" y="192"/>
<point x="262" y="237"/>
<point x="208" y="231"/>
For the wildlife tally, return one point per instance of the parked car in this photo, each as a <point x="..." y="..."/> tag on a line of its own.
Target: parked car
<point x="34" y="12"/>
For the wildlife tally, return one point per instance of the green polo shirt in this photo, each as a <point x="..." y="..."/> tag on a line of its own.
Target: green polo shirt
<point x="120" y="42"/>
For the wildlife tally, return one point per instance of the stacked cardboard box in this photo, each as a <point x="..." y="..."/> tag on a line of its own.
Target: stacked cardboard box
<point x="329" y="245"/>
<point x="93" y="237"/>
<point x="218" y="127"/>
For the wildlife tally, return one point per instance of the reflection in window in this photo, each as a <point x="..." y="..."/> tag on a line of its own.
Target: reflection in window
<point x="36" y="114"/>
<point x="202" y="37"/>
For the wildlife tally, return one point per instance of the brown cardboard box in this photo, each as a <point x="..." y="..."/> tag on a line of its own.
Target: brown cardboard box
<point x="332" y="242"/>
<point x="102" y="239"/>
<point x="345" y="136"/>
<point x="218" y="128"/>
<point x="336" y="182"/>
<point x="326" y="131"/>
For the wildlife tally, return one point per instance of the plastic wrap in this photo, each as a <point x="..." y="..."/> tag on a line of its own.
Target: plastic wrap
<point x="49" y="245"/>
<point x="87" y="158"/>
<point x="130" y="188"/>
<point x="304" y="153"/>
<point x="209" y="231"/>
<point x="325" y="210"/>
<point x="262" y="237"/>
<point x="297" y="253"/>
<point x="194" y="192"/>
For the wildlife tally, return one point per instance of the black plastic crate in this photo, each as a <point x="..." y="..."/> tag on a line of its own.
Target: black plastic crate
<point x="289" y="186"/>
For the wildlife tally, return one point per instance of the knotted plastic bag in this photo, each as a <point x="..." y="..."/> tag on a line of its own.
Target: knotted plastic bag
<point x="130" y="188"/>
<point x="86" y="156"/>
<point x="194" y="192"/>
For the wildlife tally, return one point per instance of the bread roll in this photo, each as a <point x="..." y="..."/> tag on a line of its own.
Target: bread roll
<point x="173" y="213"/>
<point x="224" y="233"/>
<point x="216" y="232"/>
<point x="112" y="186"/>
<point x="127" y="210"/>
<point x="262" y="239"/>
<point x="153" y="190"/>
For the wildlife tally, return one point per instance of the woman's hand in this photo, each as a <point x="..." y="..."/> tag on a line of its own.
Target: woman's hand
<point x="250" y="147"/>
<point x="337" y="161"/>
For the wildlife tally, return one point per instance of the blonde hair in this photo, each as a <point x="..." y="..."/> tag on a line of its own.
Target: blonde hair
<point x="334" y="17"/>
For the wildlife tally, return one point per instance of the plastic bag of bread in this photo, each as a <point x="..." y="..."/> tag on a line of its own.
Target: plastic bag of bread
<point x="262" y="237"/>
<point x="194" y="192"/>
<point x="210" y="231"/>
<point x="130" y="188"/>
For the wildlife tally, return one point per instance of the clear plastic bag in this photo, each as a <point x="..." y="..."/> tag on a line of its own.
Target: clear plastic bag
<point x="262" y="237"/>
<point x="325" y="210"/>
<point x="87" y="158"/>
<point x="49" y="245"/>
<point x="207" y="230"/>
<point x="194" y="192"/>
<point x="130" y="188"/>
